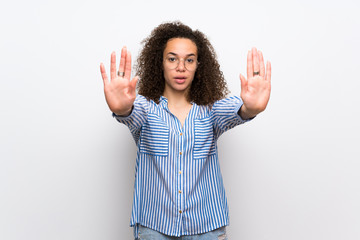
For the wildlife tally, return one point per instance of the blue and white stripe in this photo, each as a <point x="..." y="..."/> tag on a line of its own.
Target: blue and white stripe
<point x="178" y="184"/>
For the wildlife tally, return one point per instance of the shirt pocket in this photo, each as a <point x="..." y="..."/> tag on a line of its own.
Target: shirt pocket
<point x="204" y="145"/>
<point x="154" y="137"/>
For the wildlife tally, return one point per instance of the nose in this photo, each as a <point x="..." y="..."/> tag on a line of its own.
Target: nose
<point x="181" y="66"/>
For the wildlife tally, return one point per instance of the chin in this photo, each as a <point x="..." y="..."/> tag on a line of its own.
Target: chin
<point x="182" y="88"/>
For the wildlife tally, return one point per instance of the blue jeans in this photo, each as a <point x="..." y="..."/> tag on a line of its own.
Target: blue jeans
<point x="150" y="234"/>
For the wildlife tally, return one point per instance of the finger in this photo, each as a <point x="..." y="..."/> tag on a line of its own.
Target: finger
<point x="262" y="66"/>
<point x="243" y="83"/>
<point x="268" y="72"/>
<point x="122" y="60"/>
<point x="103" y="74"/>
<point x="250" y="69"/>
<point x="128" y="66"/>
<point x="113" y="66"/>
<point x="255" y="60"/>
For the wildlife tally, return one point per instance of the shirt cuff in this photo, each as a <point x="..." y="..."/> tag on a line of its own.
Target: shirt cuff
<point x="237" y="108"/>
<point x="124" y="117"/>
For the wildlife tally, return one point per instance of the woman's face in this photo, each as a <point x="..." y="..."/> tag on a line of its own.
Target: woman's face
<point x="180" y="63"/>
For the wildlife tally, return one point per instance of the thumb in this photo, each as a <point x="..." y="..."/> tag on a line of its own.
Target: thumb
<point x="133" y="83"/>
<point x="244" y="83"/>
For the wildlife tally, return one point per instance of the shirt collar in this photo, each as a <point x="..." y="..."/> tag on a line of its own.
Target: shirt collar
<point x="164" y="103"/>
<point x="162" y="98"/>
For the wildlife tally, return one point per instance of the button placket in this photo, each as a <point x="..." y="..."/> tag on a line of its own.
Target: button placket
<point x="180" y="177"/>
<point x="181" y="143"/>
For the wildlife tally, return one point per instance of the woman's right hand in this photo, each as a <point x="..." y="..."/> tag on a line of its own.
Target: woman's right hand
<point x="119" y="92"/>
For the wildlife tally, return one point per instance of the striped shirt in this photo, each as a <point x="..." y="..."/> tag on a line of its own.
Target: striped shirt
<point x="178" y="184"/>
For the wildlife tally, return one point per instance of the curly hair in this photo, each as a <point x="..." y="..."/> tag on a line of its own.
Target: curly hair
<point x="208" y="84"/>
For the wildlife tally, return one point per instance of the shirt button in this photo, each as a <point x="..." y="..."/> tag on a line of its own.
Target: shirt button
<point x="180" y="134"/>
<point x="180" y="172"/>
<point x="180" y="211"/>
<point x="180" y="153"/>
<point x="180" y="191"/>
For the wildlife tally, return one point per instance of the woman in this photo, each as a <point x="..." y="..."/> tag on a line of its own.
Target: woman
<point x="176" y="119"/>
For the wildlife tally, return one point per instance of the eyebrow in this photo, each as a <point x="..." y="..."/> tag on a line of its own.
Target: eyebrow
<point x="191" y="54"/>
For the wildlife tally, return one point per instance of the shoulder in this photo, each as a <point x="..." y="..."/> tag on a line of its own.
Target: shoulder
<point x="227" y="105"/>
<point x="228" y="100"/>
<point x="220" y="105"/>
<point x="141" y="98"/>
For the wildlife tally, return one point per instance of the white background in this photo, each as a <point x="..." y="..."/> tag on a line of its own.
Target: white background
<point x="67" y="167"/>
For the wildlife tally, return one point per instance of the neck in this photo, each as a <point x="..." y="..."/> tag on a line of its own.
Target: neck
<point x="175" y="98"/>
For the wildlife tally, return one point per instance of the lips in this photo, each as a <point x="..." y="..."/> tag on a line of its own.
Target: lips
<point x="180" y="80"/>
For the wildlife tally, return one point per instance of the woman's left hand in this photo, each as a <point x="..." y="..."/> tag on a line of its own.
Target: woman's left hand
<point x="255" y="90"/>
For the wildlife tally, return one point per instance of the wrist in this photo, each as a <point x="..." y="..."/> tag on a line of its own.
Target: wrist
<point x="246" y="113"/>
<point x="123" y="113"/>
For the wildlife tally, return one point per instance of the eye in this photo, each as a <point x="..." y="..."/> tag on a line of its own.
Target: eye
<point x="190" y="60"/>
<point x="171" y="59"/>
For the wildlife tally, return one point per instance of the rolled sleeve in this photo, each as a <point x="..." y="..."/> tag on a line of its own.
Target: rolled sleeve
<point x="225" y="115"/>
<point x="137" y="117"/>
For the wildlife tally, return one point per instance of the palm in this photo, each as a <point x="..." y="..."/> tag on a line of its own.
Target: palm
<point x="119" y="92"/>
<point x="255" y="91"/>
